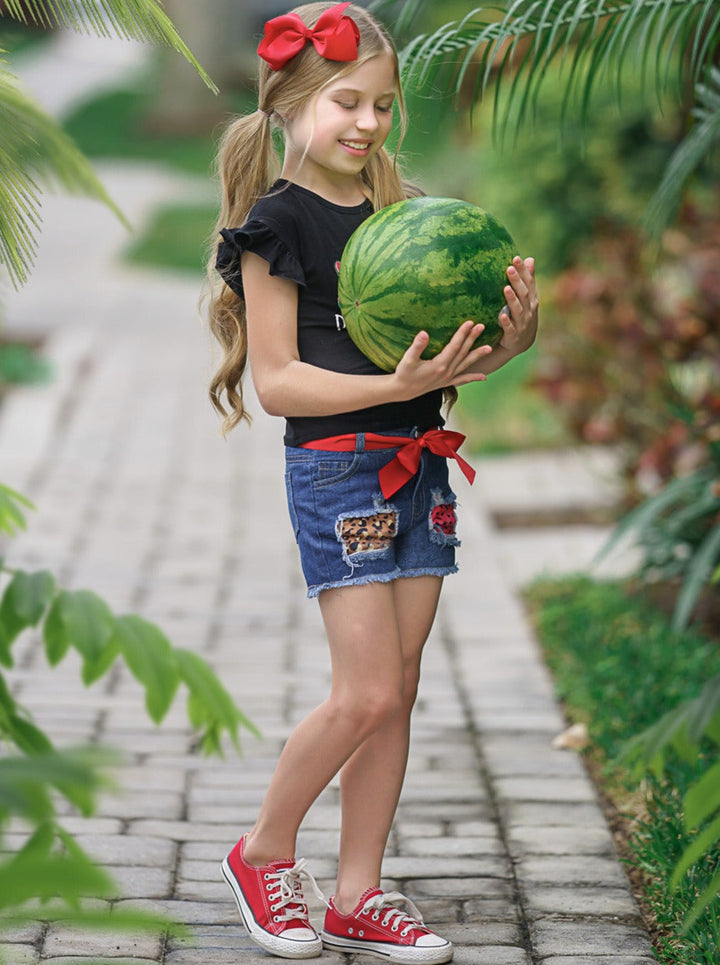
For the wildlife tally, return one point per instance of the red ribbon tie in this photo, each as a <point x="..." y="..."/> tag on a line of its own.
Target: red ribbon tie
<point x="442" y="442"/>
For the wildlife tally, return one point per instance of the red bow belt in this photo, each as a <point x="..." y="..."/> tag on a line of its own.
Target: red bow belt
<point x="334" y="37"/>
<point x="405" y="465"/>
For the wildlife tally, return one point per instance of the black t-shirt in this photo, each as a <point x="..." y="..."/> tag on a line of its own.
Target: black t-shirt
<point x="302" y="237"/>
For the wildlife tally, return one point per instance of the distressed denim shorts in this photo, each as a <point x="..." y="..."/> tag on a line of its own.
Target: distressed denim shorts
<point x="349" y="534"/>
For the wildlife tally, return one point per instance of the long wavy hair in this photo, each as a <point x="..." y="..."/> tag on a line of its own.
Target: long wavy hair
<point x="247" y="165"/>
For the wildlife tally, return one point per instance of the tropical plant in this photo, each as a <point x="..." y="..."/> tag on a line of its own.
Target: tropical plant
<point x="50" y="864"/>
<point x="34" y="147"/>
<point x="678" y="532"/>
<point x="671" y="43"/>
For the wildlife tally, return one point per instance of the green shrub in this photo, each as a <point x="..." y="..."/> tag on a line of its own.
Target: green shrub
<point x="34" y="774"/>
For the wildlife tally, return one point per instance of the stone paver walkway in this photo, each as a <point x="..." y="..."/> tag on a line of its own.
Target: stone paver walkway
<point x="499" y="838"/>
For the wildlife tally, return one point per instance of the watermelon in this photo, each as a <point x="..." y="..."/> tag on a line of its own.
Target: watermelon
<point x="424" y="264"/>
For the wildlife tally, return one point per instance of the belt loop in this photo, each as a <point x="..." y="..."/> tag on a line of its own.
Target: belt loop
<point x="359" y="442"/>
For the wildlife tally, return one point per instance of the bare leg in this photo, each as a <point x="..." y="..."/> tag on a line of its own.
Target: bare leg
<point x="366" y="693"/>
<point x="372" y="779"/>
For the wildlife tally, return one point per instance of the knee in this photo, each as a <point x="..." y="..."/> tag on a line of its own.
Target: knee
<point x="378" y="707"/>
<point x="367" y="711"/>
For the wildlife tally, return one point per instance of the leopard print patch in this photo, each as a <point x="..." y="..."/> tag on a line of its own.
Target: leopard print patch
<point x="367" y="534"/>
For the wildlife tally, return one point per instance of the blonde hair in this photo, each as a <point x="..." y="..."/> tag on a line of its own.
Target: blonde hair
<point x="247" y="165"/>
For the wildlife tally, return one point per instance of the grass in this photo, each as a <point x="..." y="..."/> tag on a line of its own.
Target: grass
<point x="112" y="126"/>
<point x="21" y="364"/>
<point x="618" y="666"/>
<point x="176" y="238"/>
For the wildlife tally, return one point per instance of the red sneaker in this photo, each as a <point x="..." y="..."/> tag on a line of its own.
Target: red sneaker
<point x="271" y="904"/>
<point x="377" y="927"/>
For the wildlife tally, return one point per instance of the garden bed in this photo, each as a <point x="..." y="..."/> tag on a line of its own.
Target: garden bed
<point x="618" y="667"/>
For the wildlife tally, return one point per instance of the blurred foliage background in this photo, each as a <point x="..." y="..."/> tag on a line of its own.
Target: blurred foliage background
<point x="630" y="350"/>
<point x="604" y="167"/>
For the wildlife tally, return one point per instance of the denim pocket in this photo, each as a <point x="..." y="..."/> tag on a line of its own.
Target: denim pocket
<point x="335" y="469"/>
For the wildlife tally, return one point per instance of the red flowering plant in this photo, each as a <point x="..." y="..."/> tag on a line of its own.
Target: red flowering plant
<point x="632" y="358"/>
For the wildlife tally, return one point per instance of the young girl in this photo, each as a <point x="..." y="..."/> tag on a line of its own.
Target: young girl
<point x="374" y="549"/>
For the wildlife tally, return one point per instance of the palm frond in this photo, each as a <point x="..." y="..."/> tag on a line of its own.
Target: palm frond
<point x="599" y="35"/>
<point x="143" y="20"/>
<point x="427" y="55"/>
<point x="33" y="148"/>
<point x="698" y="144"/>
<point x="697" y="578"/>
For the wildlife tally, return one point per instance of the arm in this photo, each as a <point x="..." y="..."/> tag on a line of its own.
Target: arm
<point x="519" y="323"/>
<point x="288" y="387"/>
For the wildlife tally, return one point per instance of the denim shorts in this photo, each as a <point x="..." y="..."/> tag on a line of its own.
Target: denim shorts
<point x="348" y="533"/>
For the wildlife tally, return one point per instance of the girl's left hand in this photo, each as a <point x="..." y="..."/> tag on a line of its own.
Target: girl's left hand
<point x="519" y="320"/>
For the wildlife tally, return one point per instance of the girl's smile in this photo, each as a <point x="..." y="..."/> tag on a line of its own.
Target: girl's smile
<point x="359" y="148"/>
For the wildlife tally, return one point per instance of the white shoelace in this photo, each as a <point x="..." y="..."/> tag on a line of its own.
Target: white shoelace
<point x="288" y="896"/>
<point x="383" y="902"/>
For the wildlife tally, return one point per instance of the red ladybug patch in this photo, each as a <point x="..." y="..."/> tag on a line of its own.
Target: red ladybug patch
<point x="444" y="519"/>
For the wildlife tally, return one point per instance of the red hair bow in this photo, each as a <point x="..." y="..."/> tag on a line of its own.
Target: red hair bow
<point x="334" y="37"/>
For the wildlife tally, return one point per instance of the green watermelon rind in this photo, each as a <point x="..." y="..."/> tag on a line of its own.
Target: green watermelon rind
<point x="456" y="256"/>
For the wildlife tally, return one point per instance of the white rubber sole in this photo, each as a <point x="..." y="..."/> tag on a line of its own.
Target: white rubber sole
<point x="282" y="947"/>
<point x="400" y="954"/>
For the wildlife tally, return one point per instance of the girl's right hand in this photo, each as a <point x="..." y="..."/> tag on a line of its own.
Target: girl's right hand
<point x="415" y="375"/>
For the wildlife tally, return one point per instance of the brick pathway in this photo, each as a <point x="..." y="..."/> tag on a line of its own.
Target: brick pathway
<point x="498" y="837"/>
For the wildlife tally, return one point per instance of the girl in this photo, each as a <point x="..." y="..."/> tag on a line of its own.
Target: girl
<point x="374" y="549"/>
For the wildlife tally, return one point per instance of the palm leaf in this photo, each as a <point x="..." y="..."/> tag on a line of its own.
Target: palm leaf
<point x="698" y="576"/>
<point x="702" y="138"/>
<point x="605" y="33"/>
<point x="143" y="20"/>
<point x="33" y="148"/>
<point x="680" y="490"/>
<point x="595" y="40"/>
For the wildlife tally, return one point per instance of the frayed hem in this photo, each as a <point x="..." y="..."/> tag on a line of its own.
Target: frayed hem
<point x="314" y="591"/>
<point x="431" y="571"/>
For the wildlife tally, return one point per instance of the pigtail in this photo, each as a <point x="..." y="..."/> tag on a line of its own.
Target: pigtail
<point x="245" y="162"/>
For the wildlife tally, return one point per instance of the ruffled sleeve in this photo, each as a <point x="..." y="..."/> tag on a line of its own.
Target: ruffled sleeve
<point x="260" y="237"/>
